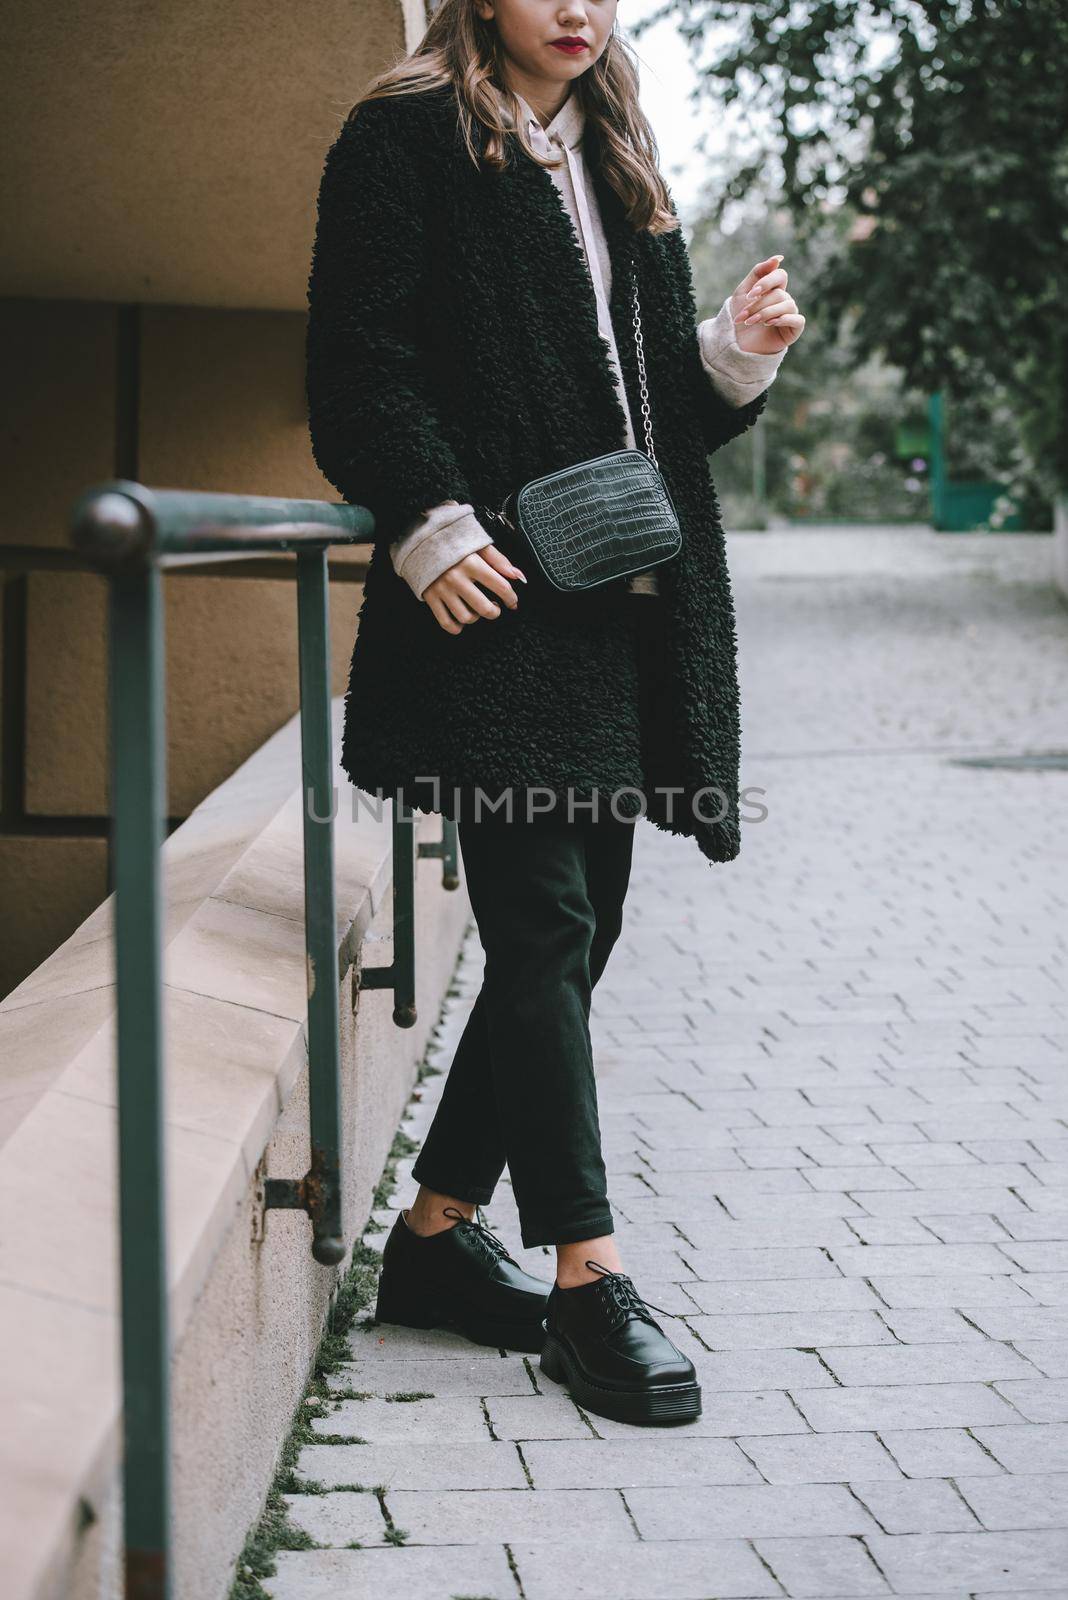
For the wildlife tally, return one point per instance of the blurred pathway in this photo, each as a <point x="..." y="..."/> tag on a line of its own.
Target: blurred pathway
<point x="835" y="1105"/>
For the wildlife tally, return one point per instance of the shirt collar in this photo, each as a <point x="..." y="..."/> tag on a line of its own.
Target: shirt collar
<point x="567" y="126"/>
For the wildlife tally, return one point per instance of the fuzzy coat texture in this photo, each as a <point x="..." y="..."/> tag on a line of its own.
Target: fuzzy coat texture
<point x="453" y="353"/>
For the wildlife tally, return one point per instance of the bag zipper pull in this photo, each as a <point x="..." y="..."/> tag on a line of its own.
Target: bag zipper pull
<point x="500" y="516"/>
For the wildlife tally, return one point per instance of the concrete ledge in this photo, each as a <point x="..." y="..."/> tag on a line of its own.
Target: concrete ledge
<point x="247" y="1301"/>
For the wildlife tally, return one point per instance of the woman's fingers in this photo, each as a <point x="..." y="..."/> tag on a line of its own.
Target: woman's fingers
<point x="765" y="277"/>
<point x="469" y="593"/>
<point x="490" y="572"/>
<point x="498" y="559"/>
<point x="457" y="596"/>
<point x="773" y="280"/>
<point x="769" y="264"/>
<point x="774" y="308"/>
<point x="761" y="301"/>
<point x="442" y="613"/>
<point x="446" y="600"/>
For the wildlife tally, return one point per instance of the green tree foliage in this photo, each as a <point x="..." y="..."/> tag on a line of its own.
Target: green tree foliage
<point x="941" y="132"/>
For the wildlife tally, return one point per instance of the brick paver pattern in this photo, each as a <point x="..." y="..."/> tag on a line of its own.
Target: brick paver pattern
<point x="832" y="1088"/>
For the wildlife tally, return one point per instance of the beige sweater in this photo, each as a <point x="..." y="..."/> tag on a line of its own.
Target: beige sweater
<point x="445" y="533"/>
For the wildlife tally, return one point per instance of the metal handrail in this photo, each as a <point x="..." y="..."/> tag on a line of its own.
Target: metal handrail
<point x="132" y="534"/>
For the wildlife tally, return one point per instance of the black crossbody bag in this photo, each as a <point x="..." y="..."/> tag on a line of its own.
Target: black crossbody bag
<point x="608" y="517"/>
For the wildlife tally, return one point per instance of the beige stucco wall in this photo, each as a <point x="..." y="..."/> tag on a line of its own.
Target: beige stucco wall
<point x="168" y="154"/>
<point x="219" y="407"/>
<point x="160" y="172"/>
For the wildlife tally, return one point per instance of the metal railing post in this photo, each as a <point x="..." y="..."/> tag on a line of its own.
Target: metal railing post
<point x="447" y="849"/>
<point x="404" y="858"/>
<point x="138" y="798"/>
<point x="399" y="974"/>
<point x="319" y="1191"/>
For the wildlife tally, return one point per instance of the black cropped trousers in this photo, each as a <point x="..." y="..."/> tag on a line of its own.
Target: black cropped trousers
<point x="547" y="891"/>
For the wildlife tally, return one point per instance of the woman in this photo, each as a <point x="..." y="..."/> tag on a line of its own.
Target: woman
<point x="469" y="329"/>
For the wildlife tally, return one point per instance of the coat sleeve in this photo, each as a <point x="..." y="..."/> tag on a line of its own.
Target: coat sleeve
<point x="720" y="420"/>
<point x="375" y="433"/>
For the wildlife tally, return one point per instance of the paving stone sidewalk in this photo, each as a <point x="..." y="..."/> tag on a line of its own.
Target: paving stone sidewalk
<point x="833" y="1098"/>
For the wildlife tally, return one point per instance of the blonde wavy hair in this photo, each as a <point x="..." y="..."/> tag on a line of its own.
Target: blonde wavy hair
<point x="460" y="48"/>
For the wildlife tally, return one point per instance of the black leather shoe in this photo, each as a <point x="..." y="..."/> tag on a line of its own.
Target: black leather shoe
<point x="461" y="1278"/>
<point x="602" y="1342"/>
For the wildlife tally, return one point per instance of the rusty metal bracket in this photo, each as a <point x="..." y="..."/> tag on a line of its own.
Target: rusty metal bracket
<point x="319" y="1194"/>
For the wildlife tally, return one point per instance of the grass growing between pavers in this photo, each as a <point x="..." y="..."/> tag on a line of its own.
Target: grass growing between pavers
<point x="273" y="1530"/>
<point x="403" y="1145"/>
<point x="368" y="1394"/>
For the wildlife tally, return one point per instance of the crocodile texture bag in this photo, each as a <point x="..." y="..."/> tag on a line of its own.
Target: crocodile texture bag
<point x="608" y="517"/>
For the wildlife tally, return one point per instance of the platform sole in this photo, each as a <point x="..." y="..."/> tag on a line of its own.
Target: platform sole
<point x="502" y="1335"/>
<point x="666" y="1404"/>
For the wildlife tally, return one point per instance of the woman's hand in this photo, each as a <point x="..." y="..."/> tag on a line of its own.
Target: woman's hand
<point x="762" y="295"/>
<point x="455" y="598"/>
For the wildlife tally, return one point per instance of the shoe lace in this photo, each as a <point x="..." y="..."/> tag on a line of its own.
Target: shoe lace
<point x="621" y="1299"/>
<point x="479" y="1232"/>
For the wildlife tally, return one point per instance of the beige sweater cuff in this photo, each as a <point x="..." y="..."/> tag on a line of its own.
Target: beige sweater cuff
<point x="739" y="375"/>
<point x="436" y="541"/>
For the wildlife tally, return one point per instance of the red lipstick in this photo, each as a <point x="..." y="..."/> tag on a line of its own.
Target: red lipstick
<point x="569" y="45"/>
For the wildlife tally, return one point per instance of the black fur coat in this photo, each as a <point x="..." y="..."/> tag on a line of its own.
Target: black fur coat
<point x="453" y="352"/>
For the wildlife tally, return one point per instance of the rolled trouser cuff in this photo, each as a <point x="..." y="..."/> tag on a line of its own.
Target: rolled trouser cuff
<point x="592" y="1223"/>
<point x="477" y="1194"/>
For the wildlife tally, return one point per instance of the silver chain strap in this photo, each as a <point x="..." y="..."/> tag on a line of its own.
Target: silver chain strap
<point x="646" y="414"/>
<point x="499" y="516"/>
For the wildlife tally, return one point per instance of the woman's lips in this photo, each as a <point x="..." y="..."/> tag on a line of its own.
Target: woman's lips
<point x="568" y="48"/>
